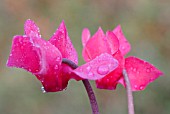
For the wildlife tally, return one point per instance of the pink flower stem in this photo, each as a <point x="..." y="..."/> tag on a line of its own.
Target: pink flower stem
<point x="129" y="93"/>
<point x="87" y="85"/>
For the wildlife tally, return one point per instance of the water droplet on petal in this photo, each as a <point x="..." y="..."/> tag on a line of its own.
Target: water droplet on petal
<point x="62" y="31"/>
<point x="25" y="36"/>
<point x="90" y="74"/>
<point x="123" y="47"/>
<point x="134" y="69"/>
<point x="107" y="80"/>
<point x="148" y="70"/>
<point x="22" y="47"/>
<point x="62" y="36"/>
<point x="81" y="69"/>
<point x="151" y="79"/>
<point x="58" y="58"/>
<point x="141" y="87"/>
<point x="64" y="89"/>
<point x="103" y="69"/>
<point x="56" y="67"/>
<point x="88" y="68"/>
<point x="42" y="81"/>
<point x="136" y="86"/>
<point x="43" y="90"/>
<point x="45" y="43"/>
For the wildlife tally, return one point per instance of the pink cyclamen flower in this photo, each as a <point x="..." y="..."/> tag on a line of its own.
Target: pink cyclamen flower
<point x="44" y="58"/>
<point x="140" y="72"/>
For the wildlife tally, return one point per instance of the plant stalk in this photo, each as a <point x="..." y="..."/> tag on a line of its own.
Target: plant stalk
<point x="88" y="87"/>
<point x="129" y="93"/>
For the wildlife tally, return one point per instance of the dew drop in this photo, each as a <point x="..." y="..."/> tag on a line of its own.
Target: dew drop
<point x="25" y="36"/>
<point x="136" y="86"/>
<point x="62" y="31"/>
<point x="22" y="47"/>
<point x="148" y="70"/>
<point x="64" y="89"/>
<point x="80" y="69"/>
<point x="134" y="69"/>
<point x="42" y="81"/>
<point x="141" y="87"/>
<point x="110" y="65"/>
<point x="151" y="79"/>
<point x="39" y="36"/>
<point x="62" y="36"/>
<point x="90" y="74"/>
<point x="123" y="47"/>
<point x="103" y="69"/>
<point x="107" y="80"/>
<point x="55" y="72"/>
<point x="58" y="58"/>
<point x="88" y="68"/>
<point x="45" y="43"/>
<point x="56" y="67"/>
<point x="43" y="90"/>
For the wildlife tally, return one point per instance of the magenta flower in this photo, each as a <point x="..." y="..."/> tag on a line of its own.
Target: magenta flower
<point x="140" y="72"/>
<point x="44" y="58"/>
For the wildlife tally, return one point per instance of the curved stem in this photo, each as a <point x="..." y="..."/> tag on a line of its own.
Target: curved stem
<point x="129" y="93"/>
<point x="88" y="87"/>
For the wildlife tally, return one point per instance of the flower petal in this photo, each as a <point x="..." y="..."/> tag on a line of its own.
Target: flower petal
<point x="113" y="42"/>
<point x="62" y="41"/>
<point x="24" y="55"/>
<point x="95" y="46"/>
<point x="124" y="44"/>
<point x="99" y="43"/>
<point x="110" y="81"/>
<point x="38" y="57"/>
<point x="97" y="68"/>
<point x="58" y="80"/>
<point x="140" y="73"/>
<point x="85" y="36"/>
<point x="31" y="29"/>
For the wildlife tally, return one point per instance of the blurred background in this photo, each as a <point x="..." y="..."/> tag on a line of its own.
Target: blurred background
<point x="145" y="23"/>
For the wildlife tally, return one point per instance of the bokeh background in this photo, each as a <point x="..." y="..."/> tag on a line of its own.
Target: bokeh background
<point x="146" y="24"/>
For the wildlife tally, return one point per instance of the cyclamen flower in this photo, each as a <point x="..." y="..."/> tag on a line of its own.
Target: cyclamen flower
<point x="140" y="72"/>
<point x="44" y="58"/>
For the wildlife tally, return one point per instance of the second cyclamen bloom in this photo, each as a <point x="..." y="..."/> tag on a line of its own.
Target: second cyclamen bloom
<point x="140" y="72"/>
<point x="44" y="58"/>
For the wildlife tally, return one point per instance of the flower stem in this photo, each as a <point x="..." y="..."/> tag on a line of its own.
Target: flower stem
<point x="88" y="87"/>
<point x="129" y="93"/>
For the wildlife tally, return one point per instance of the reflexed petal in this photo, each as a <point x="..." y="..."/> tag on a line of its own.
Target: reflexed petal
<point x="57" y="81"/>
<point x="98" y="44"/>
<point x="86" y="55"/>
<point x="124" y="44"/>
<point x="112" y="42"/>
<point x="97" y="68"/>
<point x="110" y="81"/>
<point x="38" y="57"/>
<point x="62" y="41"/>
<point x="24" y="55"/>
<point x="31" y="29"/>
<point x="140" y="73"/>
<point x="85" y="36"/>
